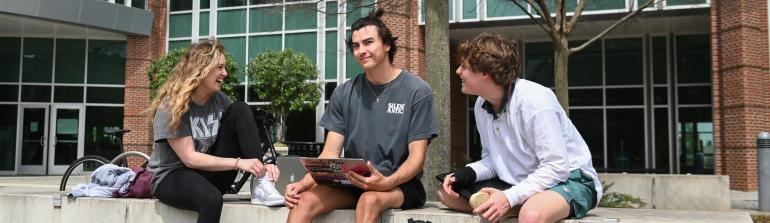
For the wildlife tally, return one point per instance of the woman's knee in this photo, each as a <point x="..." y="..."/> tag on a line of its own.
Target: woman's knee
<point x="238" y="108"/>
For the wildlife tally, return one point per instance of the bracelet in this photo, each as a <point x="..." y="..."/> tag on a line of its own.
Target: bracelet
<point x="236" y="162"/>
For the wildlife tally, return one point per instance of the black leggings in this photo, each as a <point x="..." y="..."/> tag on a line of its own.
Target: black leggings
<point x="202" y="191"/>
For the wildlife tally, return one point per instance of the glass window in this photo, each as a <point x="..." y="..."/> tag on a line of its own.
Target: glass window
<point x="106" y="62"/>
<point x="229" y="3"/>
<point x="694" y="95"/>
<point x="590" y="124"/>
<point x="265" y="19"/>
<point x="300" y="126"/>
<point x="111" y="95"/>
<point x="357" y="9"/>
<point x="9" y="59"/>
<point x="38" y="60"/>
<point x="180" y="25"/>
<point x="625" y="140"/>
<point x="571" y="4"/>
<point x="585" y="97"/>
<point x="625" y="96"/>
<point x="68" y="94"/>
<point x="203" y="26"/>
<point x="539" y="63"/>
<point x="70" y="61"/>
<point x="469" y="9"/>
<point x="661" y="141"/>
<point x="661" y="95"/>
<point x="331" y="56"/>
<point x="9" y="93"/>
<point x="624" y="61"/>
<point x="97" y="119"/>
<point x="301" y="17"/>
<point x="237" y="47"/>
<point x="180" y="5"/>
<point x="502" y="8"/>
<point x="693" y="58"/>
<point x="32" y="93"/>
<point x="331" y="14"/>
<point x="260" y="44"/>
<point x="304" y="43"/>
<point x="137" y="4"/>
<point x="697" y="141"/>
<point x="8" y="137"/>
<point x="205" y="4"/>
<point x="684" y="2"/>
<point x="231" y="21"/>
<point x="659" y="60"/>
<point x="329" y="89"/>
<point x="172" y="45"/>
<point x="604" y="5"/>
<point x="585" y="67"/>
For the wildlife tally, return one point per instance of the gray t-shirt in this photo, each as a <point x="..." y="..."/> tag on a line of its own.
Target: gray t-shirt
<point x="201" y="122"/>
<point x="380" y="131"/>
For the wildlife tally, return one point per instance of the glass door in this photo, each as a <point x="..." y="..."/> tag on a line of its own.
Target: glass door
<point x="66" y="137"/>
<point x="33" y="139"/>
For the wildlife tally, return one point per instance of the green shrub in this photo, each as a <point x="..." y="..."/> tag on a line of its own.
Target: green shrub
<point x="619" y="200"/>
<point x="286" y="80"/>
<point x="161" y="68"/>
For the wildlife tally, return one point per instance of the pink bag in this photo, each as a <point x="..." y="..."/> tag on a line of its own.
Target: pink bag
<point x="140" y="186"/>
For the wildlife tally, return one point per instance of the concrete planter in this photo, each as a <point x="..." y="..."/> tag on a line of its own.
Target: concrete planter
<point x="674" y="192"/>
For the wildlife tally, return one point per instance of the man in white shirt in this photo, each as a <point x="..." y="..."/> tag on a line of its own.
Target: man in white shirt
<point x="533" y="157"/>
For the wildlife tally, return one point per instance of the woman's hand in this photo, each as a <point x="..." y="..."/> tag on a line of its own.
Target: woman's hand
<point x="253" y="166"/>
<point x="272" y="171"/>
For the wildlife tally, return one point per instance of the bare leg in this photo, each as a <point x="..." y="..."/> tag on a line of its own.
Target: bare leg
<point x="454" y="203"/>
<point x="371" y="204"/>
<point x="319" y="200"/>
<point x="546" y="206"/>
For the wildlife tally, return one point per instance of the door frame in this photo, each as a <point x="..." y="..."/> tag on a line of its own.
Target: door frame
<point x="31" y="169"/>
<point x="51" y="149"/>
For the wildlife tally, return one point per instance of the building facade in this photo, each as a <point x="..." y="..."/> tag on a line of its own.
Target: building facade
<point x="680" y="89"/>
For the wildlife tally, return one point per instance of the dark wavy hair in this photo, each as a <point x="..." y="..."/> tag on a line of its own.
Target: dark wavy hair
<point x="373" y="19"/>
<point x="492" y="54"/>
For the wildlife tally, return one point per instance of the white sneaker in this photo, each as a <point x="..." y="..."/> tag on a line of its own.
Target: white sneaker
<point x="263" y="192"/>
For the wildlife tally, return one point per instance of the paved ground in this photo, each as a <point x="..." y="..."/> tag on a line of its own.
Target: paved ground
<point x="741" y="202"/>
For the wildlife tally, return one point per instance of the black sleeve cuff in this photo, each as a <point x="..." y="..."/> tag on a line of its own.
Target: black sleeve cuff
<point x="464" y="177"/>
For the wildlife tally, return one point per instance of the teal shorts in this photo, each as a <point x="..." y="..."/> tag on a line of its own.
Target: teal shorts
<point x="580" y="193"/>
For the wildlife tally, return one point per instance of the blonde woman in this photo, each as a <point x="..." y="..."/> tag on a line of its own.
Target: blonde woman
<point x="202" y="138"/>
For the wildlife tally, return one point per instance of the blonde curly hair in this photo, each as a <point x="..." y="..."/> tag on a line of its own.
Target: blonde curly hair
<point x="186" y="76"/>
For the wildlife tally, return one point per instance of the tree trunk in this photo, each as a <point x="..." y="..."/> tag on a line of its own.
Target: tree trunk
<point x="560" y="62"/>
<point x="280" y="128"/>
<point x="438" y="72"/>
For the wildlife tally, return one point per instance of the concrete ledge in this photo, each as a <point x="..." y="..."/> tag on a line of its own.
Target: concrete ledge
<point x="39" y="208"/>
<point x="674" y="192"/>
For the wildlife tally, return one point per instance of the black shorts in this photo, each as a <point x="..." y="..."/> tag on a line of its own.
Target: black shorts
<point x="414" y="193"/>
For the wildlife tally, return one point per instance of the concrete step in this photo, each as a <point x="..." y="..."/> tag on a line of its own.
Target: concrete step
<point x="40" y="208"/>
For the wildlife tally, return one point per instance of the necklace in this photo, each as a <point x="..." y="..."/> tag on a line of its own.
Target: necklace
<point x="377" y="96"/>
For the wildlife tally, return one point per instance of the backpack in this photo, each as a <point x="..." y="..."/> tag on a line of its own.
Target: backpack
<point x="140" y="186"/>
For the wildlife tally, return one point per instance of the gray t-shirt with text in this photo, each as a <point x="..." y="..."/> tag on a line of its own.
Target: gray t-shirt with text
<point x="380" y="130"/>
<point x="201" y="122"/>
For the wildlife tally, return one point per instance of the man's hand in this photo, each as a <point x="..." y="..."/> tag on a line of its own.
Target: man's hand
<point x="253" y="166"/>
<point x="446" y="186"/>
<point x="495" y="208"/>
<point x="374" y="182"/>
<point x="291" y="198"/>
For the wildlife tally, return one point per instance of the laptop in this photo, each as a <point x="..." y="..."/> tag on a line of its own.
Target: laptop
<point x="292" y="171"/>
<point x="333" y="171"/>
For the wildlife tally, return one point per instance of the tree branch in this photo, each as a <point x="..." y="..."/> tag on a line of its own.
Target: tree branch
<point x="613" y="26"/>
<point x="542" y="9"/>
<point x="546" y="29"/>
<point x="559" y="16"/>
<point x="578" y="11"/>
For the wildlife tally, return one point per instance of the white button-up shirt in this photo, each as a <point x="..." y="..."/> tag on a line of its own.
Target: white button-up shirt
<point x="532" y="144"/>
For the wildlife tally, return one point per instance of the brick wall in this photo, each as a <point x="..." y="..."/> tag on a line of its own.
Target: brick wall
<point x="401" y="18"/>
<point x="741" y="95"/>
<point x="139" y="54"/>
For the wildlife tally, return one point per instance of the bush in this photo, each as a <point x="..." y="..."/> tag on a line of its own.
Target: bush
<point x="619" y="200"/>
<point x="161" y="68"/>
<point x="284" y="79"/>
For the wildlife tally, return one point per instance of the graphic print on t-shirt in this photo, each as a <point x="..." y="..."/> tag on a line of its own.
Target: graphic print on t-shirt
<point x="204" y="130"/>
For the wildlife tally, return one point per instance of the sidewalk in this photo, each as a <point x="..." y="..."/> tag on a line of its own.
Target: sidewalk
<point x="19" y="195"/>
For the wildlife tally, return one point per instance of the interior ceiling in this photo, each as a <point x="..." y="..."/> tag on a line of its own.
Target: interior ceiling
<point x="14" y="25"/>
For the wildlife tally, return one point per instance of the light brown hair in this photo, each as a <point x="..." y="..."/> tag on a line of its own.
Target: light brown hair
<point x="492" y="54"/>
<point x="176" y="93"/>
